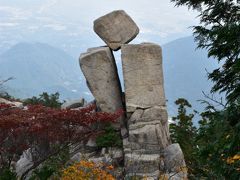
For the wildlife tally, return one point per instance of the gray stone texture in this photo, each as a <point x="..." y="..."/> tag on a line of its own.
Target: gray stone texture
<point x="146" y="109"/>
<point x="149" y="128"/>
<point x="99" y="68"/>
<point x="174" y="159"/>
<point x="73" y="104"/>
<point x="147" y="147"/>
<point x="141" y="164"/>
<point x="116" y="28"/>
<point x="24" y="163"/>
<point x="143" y="76"/>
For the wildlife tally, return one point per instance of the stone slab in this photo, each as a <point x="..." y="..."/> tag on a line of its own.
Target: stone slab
<point x="143" y="76"/>
<point x="116" y="28"/>
<point x="99" y="68"/>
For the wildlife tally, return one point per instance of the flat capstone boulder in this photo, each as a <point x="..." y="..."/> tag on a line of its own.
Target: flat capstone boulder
<point x="116" y="28"/>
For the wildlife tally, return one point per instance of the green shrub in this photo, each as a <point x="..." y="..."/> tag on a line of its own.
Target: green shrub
<point x="43" y="174"/>
<point x="52" y="167"/>
<point x="7" y="174"/>
<point x="110" y="138"/>
<point x="45" y="99"/>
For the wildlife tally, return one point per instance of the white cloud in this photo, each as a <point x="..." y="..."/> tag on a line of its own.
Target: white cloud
<point x="46" y="6"/>
<point x="33" y="28"/>
<point x="14" y="13"/>
<point x="152" y="31"/>
<point x="56" y="27"/>
<point x="6" y="24"/>
<point x="87" y="93"/>
<point x="158" y="18"/>
<point x="161" y="17"/>
<point x="74" y="34"/>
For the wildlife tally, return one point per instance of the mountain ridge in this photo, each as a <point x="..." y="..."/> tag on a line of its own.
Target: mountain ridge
<point x="40" y="67"/>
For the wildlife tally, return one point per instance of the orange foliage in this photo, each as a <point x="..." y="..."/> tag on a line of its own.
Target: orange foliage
<point x="85" y="170"/>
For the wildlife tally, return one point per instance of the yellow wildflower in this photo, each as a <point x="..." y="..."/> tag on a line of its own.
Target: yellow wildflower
<point x="228" y="136"/>
<point x="236" y="157"/>
<point x="230" y="160"/>
<point x="85" y="170"/>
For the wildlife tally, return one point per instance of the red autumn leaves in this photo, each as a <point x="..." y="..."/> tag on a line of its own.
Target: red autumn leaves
<point x="21" y="129"/>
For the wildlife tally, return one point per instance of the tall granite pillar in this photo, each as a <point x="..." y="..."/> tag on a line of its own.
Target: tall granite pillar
<point x="148" y="150"/>
<point x="146" y="109"/>
<point x="99" y="67"/>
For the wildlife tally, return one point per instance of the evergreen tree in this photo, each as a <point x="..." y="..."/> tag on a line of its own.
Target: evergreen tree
<point x="219" y="144"/>
<point x="219" y="132"/>
<point x="219" y="33"/>
<point x="183" y="132"/>
<point x="45" y="99"/>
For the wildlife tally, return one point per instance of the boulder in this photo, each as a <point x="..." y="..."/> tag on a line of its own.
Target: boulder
<point x="135" y="116"/>
<point x="116" y="28"/>
<point x="149" y="129"/>
<point x="13" y="103"/>
<point x="148" y="115"/>
<point x="156" y="112"/>
<point x="143" y="76"/>
<point x="142" y="164"/>
<point x="77" y="157"/>
<point x="73" y="104"/>
<point x="24" y="163"/>
<point x="174" y="161"/>
<point x="116" y="153"/>
<point x="144" y="132"/>
<point x="100" y="70"/>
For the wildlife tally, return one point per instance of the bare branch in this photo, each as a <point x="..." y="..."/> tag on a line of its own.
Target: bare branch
<point x="5" y="80"/>
<point x="214" y="99"/>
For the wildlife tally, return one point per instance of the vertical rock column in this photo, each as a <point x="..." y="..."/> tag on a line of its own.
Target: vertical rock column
<point x="146" y="109"/>
<point x="99" y="68"/>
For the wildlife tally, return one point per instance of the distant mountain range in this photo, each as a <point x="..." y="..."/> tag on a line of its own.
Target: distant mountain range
<point x="39" y="67"/>
<point x="185" y="72"/>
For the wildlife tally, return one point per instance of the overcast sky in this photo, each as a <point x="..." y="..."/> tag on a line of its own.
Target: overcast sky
<point x="75" y="17"/>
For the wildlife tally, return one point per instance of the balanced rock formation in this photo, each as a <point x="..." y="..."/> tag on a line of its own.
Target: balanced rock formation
<point x="148" y="151"/>
<point x="116" y="28"/>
